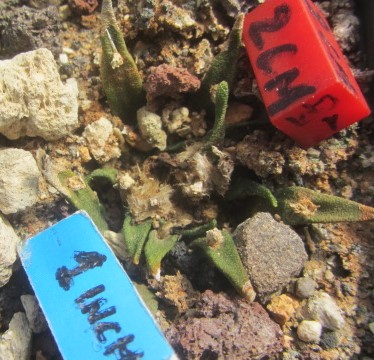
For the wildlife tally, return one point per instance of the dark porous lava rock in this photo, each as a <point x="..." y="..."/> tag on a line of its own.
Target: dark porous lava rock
<point x="24" y="29"/>
<point x="224" y="328"/>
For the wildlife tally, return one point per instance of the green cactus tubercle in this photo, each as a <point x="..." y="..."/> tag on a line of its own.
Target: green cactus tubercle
<point x="135" y="235"/>
<point x="155" y="250"/>
<point x="120" y="77"/>
<point x="223" y="67"/>
<point x="105" y="174"/>
<point x="138" y="238"/>
<point x="298" y="206"/>
<point x="247" y="188"/>
<point x="81" y="196"/>
<point x="220" y="249"/>
<point x="217" y="134"/>
<point x="199" y="230"/>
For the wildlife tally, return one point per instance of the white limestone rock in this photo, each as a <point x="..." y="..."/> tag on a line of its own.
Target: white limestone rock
<point x="33" y="100"/>
<point x="19" y="180"/>
<point x="8" y="254"/>
<point x="15" y="343"/>
<point x="101" y="140"/>
<point x="309" y="331"/>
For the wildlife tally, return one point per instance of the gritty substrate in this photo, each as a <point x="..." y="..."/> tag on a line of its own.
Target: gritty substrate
<point x="340" y="256"/>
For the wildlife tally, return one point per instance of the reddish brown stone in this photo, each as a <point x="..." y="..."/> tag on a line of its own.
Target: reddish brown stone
<point x="167" y="80"/>
<point x="89" y="21"/>
<point x="223" y="328"/>
<point x="83" y="7"/>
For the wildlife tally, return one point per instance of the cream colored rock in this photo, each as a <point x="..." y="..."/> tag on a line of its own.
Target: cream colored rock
<point x="102" y="143"/>
<point x="309" y="331"/>
<point x="15" y="343"/>
<point x="8" y="254"/>
<point x="19" y="180"/>
<point x="150" y="127"/>
<point x="33" y="100"/>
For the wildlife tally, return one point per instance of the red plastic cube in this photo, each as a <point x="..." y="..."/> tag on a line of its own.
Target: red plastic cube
<point x="306" y="84"/>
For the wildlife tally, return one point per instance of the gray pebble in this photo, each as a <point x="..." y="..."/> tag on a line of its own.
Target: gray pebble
<point x="271" y="252"/>
<point x="305" y="287"/>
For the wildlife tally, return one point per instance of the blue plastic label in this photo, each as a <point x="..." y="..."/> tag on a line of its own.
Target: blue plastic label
<point x="91" y="305"/>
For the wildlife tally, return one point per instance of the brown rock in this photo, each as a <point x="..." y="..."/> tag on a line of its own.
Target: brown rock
<point x="89" y="21"/>
<point x="167" y="80"/>
<point x="260" y="154"/>
<point x="83" y="7"/>
<point x="177" y="291"/>
<point x="238" y="112"/>
<point x="282" y="308"/>
<point x="224" y="328"/>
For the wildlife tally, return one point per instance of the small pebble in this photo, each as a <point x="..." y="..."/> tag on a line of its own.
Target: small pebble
<point x="329" y="276"/>
<point x="64" y="12"/>
<point x="150" y="127"/>
<point x="371" y="327"/>
<point x="68" y="50"/>
<point x="282" y="308"/>
<point x="63" y="58"/>
<point x="101" y="140"/>
<point x="34" y="101"/>
<point x="291" y="355"/>
<point x="309" y="331"/>
<point x="305" y="287"/>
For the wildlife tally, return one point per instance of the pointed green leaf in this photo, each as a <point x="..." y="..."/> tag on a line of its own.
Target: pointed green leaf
<point x="103" y="174"/>
<point x="121" y="79"/>
<point x="135" y="236"/>
<point x="155" y="249"/>
<point x="223" y="254"/>
<point x="199" y="230"/>
<point x="83" y="197"/>
<point x="246" y="188"/>
<point x="218" y="132"/>
<point x="223" y="67"/>
<point x="298" y="205"/>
